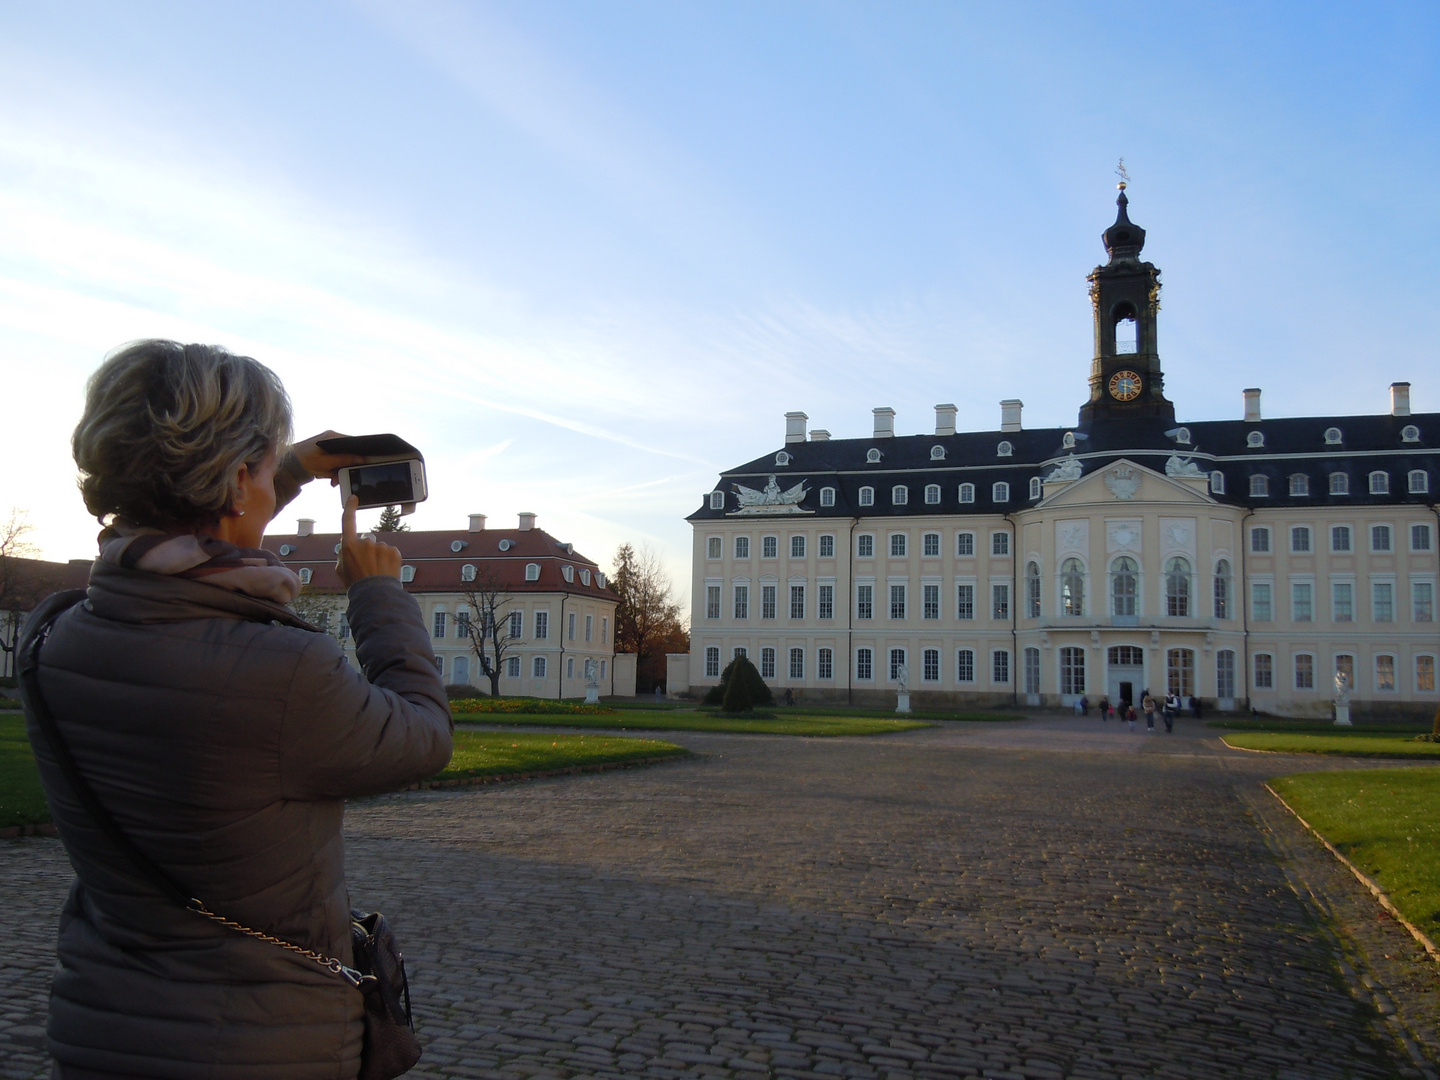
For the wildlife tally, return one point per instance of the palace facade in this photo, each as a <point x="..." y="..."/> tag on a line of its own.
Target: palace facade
<point x="1244" y="562"/>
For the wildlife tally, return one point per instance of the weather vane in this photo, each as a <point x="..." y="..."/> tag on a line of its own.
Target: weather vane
<point x="1124" y="176"/>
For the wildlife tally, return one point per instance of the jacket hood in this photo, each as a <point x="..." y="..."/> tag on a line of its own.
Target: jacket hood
<point x="138" y="596"/>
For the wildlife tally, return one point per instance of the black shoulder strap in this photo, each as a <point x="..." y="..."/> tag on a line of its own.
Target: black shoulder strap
<point x="30" y="693"/>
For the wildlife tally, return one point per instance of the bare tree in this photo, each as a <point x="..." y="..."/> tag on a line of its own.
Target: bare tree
<point x="487" y="624"/>
<point x="18" y="583"/>
<point x="325" y="610"/>
<point x="647" y="620"/>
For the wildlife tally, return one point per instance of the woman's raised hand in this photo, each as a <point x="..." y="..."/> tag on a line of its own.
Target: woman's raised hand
<point x="319" y="463"/>
<point x="361" y="557"/>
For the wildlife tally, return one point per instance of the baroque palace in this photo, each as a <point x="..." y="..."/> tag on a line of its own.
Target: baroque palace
<point x="1244" y="562"/>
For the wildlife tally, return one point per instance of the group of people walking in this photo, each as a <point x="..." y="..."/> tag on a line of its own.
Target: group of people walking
<point x="1168" y="708"/>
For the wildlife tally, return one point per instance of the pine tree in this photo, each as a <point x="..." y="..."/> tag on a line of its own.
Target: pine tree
<point x="391" y="522"/>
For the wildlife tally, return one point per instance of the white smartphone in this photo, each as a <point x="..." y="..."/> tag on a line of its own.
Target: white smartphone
<point x="385" y="483"/>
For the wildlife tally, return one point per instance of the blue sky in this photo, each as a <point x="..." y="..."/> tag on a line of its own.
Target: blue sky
<point x="586" y="255"/>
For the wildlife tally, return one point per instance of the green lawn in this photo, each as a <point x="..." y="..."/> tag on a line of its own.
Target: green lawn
<point x="1385" y="821"/>
<point x="641" y="720"/>
<point x="21" y="800"/>
<point x="477" y="753"/>
<point x="1348" y="745"/>
<point x="500" y="753"/>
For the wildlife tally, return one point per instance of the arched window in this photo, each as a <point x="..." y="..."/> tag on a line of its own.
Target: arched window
<point x="932" y="494"/>
<point x="899" y="495"/>
<point x="407" y="574"/>
<point x="467" y="572"/>
<point x="1222" y="591"/>
<point x="537" y="668"/>
<point x="1419" y="482"/>
<point x="1299" y="484"/>
<point x="1126" y="330"/>
<point x="867" y="496"/>
<point x="1339" y="483"/>
<point x="1124" y="586"/>
<point x="1035" y="489"/>
<point x="937" y="453"/>
<point x="1072" y="587"/>
<point x="305" y="576"/>
<point x="1379" y="483"/>
<point x="1259" y="486"/>
<point x="1217" y="483"/>
<point x="1000" y="492"/>
<point x="967" y="493"/>
<point x="1333" y="437"/>
<point x="532" y="571"/>
<point x="1177" y="587"/>
<point x="1032" y="590"/>
<point x="1004" y="449"/>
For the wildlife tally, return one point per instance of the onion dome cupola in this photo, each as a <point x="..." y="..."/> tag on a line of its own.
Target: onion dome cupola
<point x="1125" y="375"/>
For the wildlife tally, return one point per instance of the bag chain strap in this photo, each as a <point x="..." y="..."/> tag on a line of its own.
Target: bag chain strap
<point x="330" y="963"/>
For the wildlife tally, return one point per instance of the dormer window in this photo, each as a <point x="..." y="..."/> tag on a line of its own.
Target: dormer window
<point x="568" y="573"/>
<point x="1299" y="484"/>
<point x="899" y="495"/>
<point x="1004" y="449"/>
<point x="1217" y="483"/>
<point x="1379" y="483"/>
<point x="1255" y="439"/>
<point x="1333" y="436"/>
<point x="1419" y="482"/>
<point x="827" y="496"/>
<point x="532" y="571"/>
<point x="872" y="456"/>
<point x="584" y="577"/>
<point x="1410" y="433"/>
<point x="506" y="545"/>
<point x="1259" y="486"/>
<point x="867" y="496"/>
<point x="305" y="576"/>
<point x="932" y="494"/>
<point x="1182" y="436"/>
<point x="458" y="546"/>
<point x="782" y="458"/>
<point x="717" y="500"/>
<point x="407" y="574"/>
<point x="967" y="493"/>
<point x="1035" y="489"/>
<point x="467" y="572"/>
<point x="1068" y="442"/>
<point x="1000" y="492"/>
<point x="1339" y="483"/>
<point x="286" y="549"/>
<point x="937" y="453"/>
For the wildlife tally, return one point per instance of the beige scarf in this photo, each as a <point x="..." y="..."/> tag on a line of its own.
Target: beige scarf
<point x="252" y="571"/>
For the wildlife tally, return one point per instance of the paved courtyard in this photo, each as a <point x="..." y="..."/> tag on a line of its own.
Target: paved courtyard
<point x="1056" y="898"/>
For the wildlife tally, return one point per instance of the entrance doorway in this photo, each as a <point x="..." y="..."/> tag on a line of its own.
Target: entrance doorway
<point x="1125" y="674"/>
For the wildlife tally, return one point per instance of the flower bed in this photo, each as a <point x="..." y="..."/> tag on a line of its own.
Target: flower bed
<point x="526" y="706"/>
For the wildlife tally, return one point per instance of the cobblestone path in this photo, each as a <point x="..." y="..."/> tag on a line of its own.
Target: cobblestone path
<point x="1038" y="900"/>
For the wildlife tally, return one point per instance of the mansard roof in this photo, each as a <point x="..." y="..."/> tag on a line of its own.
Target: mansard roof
<point x="1288" y="446"/>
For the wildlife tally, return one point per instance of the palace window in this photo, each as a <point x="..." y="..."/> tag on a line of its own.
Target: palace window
<point x="797" y="663"/>
<point x="439" y="627"/>
<point x="965" y="602"/>
<point x="1035" y="490"/>
<point x="1302" y="601"/>
<point x="407" y="573"/>
<point x="1000" y="601"/>
<point x="1000" y="492"/>
<point x="930" y="602"/>
<point x="1259" y="486"/>
<point x="1342" y="601"/>
<point x="1000" y="666"/>
<point x="1032" y="590"/>
<point x="1217" y="483"/>
<point x="1177" y="588"/>
<point x="897" y="661"/>
<point x="930" y="665"/>
<point x="1384" y="673"/>
<point x="1422" y="597"/>
<point x="1260" y="602"/>
<point x="1004" y="449"/>
<point x="1032" y="670"/>
<point x="742" y="601"/>
<point x="864" y="664"/>
<point x="542" y="625"/>
<point x="865" y="546"/>
<point x="517" y="625"/>
<point x="897" y="601"/>
<point x="826" y="602"/>
<point x="1339" y="483"/>
<point x="965" y="665"/>
<point x="1410" y="433"/>
<point x="768" y="601"/>
<point x="965" y="545"/>
<point x="537" y="667"/>
<point x="769" y="547"/>
<point x="899" y="495"/>
<point x="1222" y="591"/>
<point x="1379" y="537"/>
<point x="1124" y="587"/>
<point x="932" y="494"/>
<point x="872" y="456"/>
<point x="1300" y="538"/>
<point x="1419" y="482"/>
<point x="1333" y="436"/>
<point x="1260" y="540"/>
<point x="1264" y="671"/>
<point x="797" y="601"/>
<point x="512" y="664"/>
<point x="864" y="601"/>
<point x="717" y="500"/>
<point x="827" y="546"/>
<point x="1425" y="674"/>
<point x="897" y="545"/>
<point x="1379" y="483"/>
<point x="867" y="496"/>
<point x="1072" y="587"/>
<point x="742" y="547"/>
<point x="712" y="662"/>
<point x="1299" y="484"/>
<point x="1000" y="543"/>
<point x="1225" y="673"/>
<point x="930" y="545"/>
<point x="532" y="571"/>
<point x="1419" y="537"/>
<point x="825" y="664"/>
<point x="967" y="493"/>
<point x="767" y="662"/>
<point x="937" y="453"/>
<point x="1072" y="670"/>
<point x="797" y="547"/>
<point x="712" y="601"/>
<point x="467" y="572"/>
<point x="827" y="496"/>
<point x="1340" y="538"/>
<point x="1382" y="601"/>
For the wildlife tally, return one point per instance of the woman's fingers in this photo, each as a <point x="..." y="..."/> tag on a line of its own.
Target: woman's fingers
<point x="361" y="557"/>
<point x="319" y="463"/>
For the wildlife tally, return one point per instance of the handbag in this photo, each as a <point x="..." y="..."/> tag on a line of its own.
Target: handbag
<point x="390" y="1047"/>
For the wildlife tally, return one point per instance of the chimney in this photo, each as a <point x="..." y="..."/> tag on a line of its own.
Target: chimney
<point x="1010" y="414"/>
<point x="1252" y="405"/>
<point x="819" y="435"/>
<point x="477" y="522"/>
<point x="305" y="527"/>
<point x="527" y="522"/>
<point x="945" y="419"/>
<point x="884" y="423"/>
<point x="1399" y="399"/>
<point x="795" y="426"/>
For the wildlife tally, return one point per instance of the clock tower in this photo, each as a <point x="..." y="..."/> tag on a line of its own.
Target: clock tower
<point x="1125" y="376"/>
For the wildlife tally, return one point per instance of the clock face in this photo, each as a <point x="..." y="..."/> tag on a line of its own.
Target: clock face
<point x="1125" y="386"/>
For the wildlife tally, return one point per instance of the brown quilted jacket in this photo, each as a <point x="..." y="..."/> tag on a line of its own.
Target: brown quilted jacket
<point x="224" y="735"/>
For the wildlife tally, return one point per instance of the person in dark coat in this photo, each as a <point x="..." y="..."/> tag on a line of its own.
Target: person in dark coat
<point x="222" y="732"/>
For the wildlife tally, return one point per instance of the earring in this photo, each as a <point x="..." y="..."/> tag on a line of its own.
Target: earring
<point x="239" y="513"/>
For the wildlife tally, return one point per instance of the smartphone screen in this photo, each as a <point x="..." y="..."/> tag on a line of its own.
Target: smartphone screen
<point x="387" y="484"/>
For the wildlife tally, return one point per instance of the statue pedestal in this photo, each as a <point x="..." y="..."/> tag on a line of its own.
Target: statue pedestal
<point x="1342" y="714"/>
<point x="592" y="694"/>
<point x="902" y="702"/>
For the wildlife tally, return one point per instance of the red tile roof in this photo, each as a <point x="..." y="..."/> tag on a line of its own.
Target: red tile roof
<point x="437" y="566"/>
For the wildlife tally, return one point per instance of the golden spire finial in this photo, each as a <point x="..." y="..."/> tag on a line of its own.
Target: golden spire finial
<point x="1124" y="176"/>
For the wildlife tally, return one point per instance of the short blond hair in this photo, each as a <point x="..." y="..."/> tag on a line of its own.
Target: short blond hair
<point x="167" y="426"/>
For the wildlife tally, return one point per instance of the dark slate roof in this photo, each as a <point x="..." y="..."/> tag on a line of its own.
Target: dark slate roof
<point x="1292" y="445"/>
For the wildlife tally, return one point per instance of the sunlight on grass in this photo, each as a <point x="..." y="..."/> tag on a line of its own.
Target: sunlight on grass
<point x="1394" y="746"/>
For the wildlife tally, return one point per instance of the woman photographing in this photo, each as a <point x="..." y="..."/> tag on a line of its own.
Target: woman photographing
<point x="218" y="730"/>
